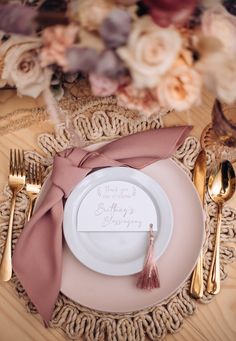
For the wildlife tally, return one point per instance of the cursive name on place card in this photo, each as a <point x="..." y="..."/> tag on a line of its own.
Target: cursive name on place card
<point x="116" y="206"/>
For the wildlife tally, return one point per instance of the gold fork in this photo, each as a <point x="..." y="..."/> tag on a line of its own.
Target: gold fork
<point x="33" y="185"/>
<point x="16" y="182"/>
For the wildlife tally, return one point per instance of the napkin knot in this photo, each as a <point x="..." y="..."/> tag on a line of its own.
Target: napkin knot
<point x="72" y="165"/>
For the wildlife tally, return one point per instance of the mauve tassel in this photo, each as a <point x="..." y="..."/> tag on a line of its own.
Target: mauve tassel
<point x="149" y="278"/>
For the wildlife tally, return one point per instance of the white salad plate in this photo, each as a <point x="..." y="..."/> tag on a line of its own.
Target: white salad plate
<point x="107" y="218"/>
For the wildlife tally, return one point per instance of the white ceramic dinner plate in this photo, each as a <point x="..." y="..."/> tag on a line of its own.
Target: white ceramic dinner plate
<point x="116" y="253"/>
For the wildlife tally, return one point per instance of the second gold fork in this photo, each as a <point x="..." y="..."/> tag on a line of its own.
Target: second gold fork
<point x="33" y="185"/>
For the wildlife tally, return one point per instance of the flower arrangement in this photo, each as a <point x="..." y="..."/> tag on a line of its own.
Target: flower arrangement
<point x="150" y="54"/>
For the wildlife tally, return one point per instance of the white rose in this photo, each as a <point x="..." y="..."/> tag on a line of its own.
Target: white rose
<point x="22" y="68"/>
<point x="219" y="23"/>
<point x="180" y="88"/>
<point x="150" y="52"/>
<point x="219" y="75"/>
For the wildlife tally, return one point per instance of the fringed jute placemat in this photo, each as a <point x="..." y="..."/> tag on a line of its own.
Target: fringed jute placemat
<point x="79" y="95"/>
<point x="95" y="121"/>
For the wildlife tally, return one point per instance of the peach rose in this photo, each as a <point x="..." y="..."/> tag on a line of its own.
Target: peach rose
<point x="180" y="88"/>
<point x="150" y="52"/>
<point x="219" y="23"/>
<point x="56" y="39"/>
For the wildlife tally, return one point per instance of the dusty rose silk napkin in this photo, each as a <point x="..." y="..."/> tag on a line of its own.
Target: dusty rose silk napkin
<point x="37" y="259"/>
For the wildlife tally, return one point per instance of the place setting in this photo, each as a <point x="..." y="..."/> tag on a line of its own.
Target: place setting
<point x="119" y="229"/>
<point x="123" y="217"/>
<point x="115" y="222"/>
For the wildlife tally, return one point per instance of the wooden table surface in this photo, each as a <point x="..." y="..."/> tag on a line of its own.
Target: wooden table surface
<point x="214" y="322"/>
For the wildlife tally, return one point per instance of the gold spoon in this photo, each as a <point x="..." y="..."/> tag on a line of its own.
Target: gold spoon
<point x="221" y="187"/>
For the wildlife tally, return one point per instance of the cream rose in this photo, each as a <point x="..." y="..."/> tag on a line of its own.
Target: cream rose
<point x="180" y="88"/>
<point x="219" y="23"/>
<point x="150" y="52"/>
<point x="4" y="47"/>
<point x="219" y="75"/>
<point x="22" y="68"/>
<point x="225" y="82"/>
<point x="91" y="13"/>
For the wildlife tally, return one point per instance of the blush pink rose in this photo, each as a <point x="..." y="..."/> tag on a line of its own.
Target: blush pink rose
<point x="102" y="86"/>
<point x="138" y="99"/>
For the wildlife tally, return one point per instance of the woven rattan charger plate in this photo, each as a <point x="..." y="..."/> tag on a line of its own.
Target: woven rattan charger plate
<point x="96" y="120"/>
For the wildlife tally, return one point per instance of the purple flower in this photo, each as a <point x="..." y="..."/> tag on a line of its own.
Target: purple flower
<point x="81" y="59"/>
<point x="110" y="65"/>
<point x="87" y="60"/>
<point x="115" y="28"/>
<point x="17" y="19"/>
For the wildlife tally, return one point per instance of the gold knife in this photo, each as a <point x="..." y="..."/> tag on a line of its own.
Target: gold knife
<point x="199" y="178"/>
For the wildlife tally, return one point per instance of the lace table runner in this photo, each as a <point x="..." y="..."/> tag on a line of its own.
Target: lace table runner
<point x="95" y="121"/>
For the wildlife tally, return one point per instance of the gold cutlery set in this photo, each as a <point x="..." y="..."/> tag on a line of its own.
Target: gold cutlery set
<point x="221" y="187"/>
<point x="18" y="180"/>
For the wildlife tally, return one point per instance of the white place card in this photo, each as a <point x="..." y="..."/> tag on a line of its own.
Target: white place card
<point x="117" y="206"/>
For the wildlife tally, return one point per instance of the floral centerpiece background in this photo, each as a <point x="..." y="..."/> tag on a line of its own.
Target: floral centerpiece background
<point x="150" y="54"/>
